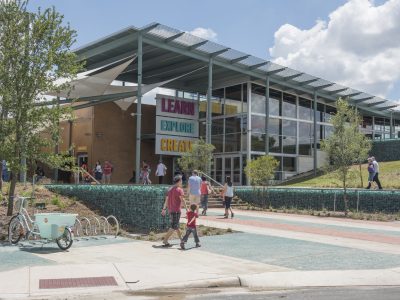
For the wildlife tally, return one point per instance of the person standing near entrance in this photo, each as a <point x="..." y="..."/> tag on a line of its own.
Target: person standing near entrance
<point x="173" y="202"/>
<point x="206" y="189"/>
<point x="376" y="177"/>
<point x="98" y="172"/>
<point x="108" y="169"/>
<point x="193" y="189"/>
<point x="161" y="171"/>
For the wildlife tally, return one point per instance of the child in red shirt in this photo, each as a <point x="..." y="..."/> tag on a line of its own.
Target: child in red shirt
<point x="191" y="226"/>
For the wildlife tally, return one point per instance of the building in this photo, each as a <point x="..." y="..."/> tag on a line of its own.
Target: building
<point x="229" y="91"/>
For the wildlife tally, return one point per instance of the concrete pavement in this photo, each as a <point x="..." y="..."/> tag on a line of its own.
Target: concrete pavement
<point x="272" y="251"/>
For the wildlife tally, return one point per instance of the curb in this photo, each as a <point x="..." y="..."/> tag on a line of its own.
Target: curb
<point x="206" y="283"/>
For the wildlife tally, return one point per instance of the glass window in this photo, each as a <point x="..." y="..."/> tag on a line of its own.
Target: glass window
<point x="258" y="142"/>
<point x="217" y="141"/>
<point x="289" y="127"/>
<point x="379" y="124"/>
<point x="217" y="126"/>
<point x="233" y="101"/>
<point x="233" y="124"/>
<point x="320" y="112"/>
<point x="330" y="111"/>
<point x="257" y="124"/>
<point x="305" y="146"/>
<point x="289" y="106"/>
<point x="274" y="126"/>
<point x="275" y="102"/>
<point x="202" y="128"/>
<point x="289" y="164"/>
<point x="275" y="143"/>
<point x="232" y="142"/>
<point x="289" y="144"/>
<point x="202" y="108"/>
<point x="257" y="99"/>
<point x="257" y="103"/>
<point x="305" y="130"/>
<point x="305" y="109"/>
<point x="217" y="107"/>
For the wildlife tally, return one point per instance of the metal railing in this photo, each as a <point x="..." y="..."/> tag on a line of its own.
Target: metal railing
<point x="84" y="172"/>
<point x="211" y="179"/>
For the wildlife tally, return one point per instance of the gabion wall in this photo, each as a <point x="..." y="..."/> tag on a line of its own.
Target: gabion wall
<point x="320" y="199"/>
<point x="386" y="150"/>
<point x="136" y="205"/>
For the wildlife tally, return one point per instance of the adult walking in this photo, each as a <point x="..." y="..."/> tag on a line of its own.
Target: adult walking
<point x="161" y="171"/>
<point x="376" y="177"/>
<point x="193" y="189"/>
<point x="108" y="169"/>
<point x="206" y="189"/>
<point x="227" y="195"/>
<point x="173" y="202"/>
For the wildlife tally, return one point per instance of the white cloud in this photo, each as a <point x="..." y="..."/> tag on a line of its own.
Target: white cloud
<point x="359" y="46"/>
<point x="205" y="33"/>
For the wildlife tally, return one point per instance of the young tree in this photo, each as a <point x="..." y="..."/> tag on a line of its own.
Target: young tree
<point x="199" y="158"/>
<point x="261" y="170"/>
<point x="34" y="54"/>
<point x="346" y="145"/>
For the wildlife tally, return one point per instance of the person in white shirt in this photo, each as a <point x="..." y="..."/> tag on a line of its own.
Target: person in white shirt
<point x="161" y="171"/>
<point x="376" y="177"/>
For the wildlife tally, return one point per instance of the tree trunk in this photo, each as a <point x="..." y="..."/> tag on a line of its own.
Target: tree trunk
<point x="361" y="178"/>
<point x="11" y="194"/>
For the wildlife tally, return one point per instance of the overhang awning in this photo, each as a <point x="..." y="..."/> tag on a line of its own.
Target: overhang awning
<point x="168" y="52"/>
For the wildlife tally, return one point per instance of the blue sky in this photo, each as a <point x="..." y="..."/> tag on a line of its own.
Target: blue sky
<point x="249" y="26"/>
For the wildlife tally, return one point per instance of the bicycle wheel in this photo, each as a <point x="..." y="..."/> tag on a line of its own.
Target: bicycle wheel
<point x="15" y="230"/>
<point x="65" y="241"/>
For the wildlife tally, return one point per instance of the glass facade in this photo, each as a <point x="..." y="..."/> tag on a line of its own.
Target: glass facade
<point x="290" y="128"/>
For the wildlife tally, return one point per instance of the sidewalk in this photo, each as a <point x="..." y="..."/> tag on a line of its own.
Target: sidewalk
<point x="272" y="251"/>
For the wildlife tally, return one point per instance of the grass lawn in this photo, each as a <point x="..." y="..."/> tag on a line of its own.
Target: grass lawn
<point x="389" y="176"/>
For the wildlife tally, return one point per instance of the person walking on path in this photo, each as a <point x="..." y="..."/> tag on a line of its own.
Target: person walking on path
<point x="108" y="169"/>
<point x="98" y="172"/>
<point x="376" y="177"/>
<point x="206" y="189"/>
<point x="191" y="226"/>
<point x="371" y="172"/>
<point x="173" y="202"/>
<point x="193" y="189"/>
<point x="161" y="171"/>
<point x="145" y="175"/>
<point x="227" y="195"/>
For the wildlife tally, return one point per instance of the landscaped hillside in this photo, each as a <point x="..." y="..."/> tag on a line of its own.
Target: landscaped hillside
<point x="389" y="175"/>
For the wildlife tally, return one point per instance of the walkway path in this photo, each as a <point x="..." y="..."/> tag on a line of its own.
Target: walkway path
<point x="270" y="251"/>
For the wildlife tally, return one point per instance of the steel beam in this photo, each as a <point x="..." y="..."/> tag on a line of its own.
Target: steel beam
<point x="362" y="99"/>
<point x="139" y="107"/>
<point x="376" y="103"/>
<point x="209" y="106"/>
<point x="267" y="115"/>
<point x="303" y="83"/>
<point x="315" y="134"/>
<point x="256" y="66"/>
<point x="292" y="76"/>
<point x="232" y="61"/>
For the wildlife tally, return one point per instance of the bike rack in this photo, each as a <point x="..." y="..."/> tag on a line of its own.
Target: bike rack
<point x="87" y="228"/>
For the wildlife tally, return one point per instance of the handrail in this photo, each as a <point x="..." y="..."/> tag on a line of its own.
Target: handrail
<point x="87" y="173"/>
<point x="213" y="180"/>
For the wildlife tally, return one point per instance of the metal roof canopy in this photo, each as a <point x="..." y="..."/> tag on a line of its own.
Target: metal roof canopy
<point x="168" y="53"/>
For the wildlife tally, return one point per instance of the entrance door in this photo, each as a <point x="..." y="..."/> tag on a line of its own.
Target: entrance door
<point x="228" y="166"/>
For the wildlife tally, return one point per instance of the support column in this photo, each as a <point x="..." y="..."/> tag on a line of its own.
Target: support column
<point x="373" y="127"/>
<point x="391" y="125"/>
<point x="248" y="142"/>
<point x="267" y="115"/>
<point x="209" y="106"/>
<point x="315" y="134"/>
<point x="139" y="107"/>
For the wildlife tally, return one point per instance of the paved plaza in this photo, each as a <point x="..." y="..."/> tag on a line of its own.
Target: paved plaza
<point x="267" y="251"/>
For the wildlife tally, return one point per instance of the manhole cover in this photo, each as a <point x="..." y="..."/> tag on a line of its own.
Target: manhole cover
<point x="76" y="282"/>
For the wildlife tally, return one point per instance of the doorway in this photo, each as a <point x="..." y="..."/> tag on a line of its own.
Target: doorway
<point x="228" y="165"/>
